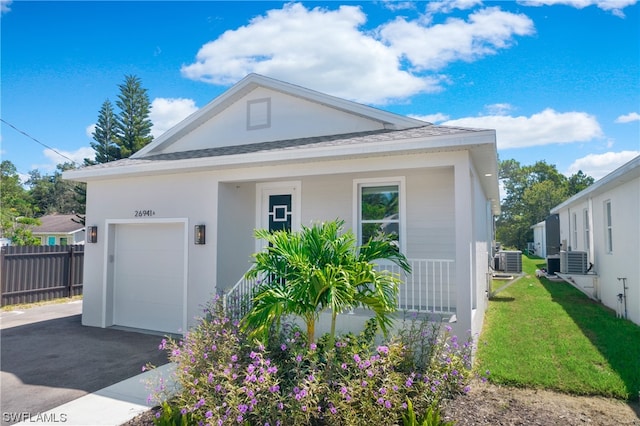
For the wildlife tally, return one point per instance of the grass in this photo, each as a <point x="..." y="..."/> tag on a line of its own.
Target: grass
<point x="21" y="306"/>
<point x="545" y="334"/>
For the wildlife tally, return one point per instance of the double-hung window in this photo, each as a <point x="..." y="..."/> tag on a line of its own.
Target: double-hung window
<point x="379" y="209"/>
<point x="575" y="231"/>
<point x="587" y="243"/>
<point x="608" y="227"/>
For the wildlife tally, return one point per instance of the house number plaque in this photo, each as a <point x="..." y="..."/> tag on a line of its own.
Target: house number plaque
<point x="144" y="213"/>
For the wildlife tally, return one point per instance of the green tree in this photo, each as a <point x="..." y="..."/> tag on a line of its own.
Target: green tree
<point x="531" y="192"/>
<point x="22" y="235"/>
<point x="15" y="200"/>
<point x="133" y="123"/>
<point x="319" y="268"/>
<point x="52" y="194"/>
<point x="105" y="136"/>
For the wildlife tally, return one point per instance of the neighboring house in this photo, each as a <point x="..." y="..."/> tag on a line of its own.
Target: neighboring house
<point x="539" y="239"/>
<point x="59" y="229"/>
<point x="603" y="222"/>
<point x="268" y="154"/>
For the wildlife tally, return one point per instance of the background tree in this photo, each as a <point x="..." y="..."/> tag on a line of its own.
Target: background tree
<point x="22" y="235"/>
<point x="51" y="194"/>
<point x="531" y="192"/>
<point x="133" y="123"/>
<point x="14" y="199"/>
<point x="105" y="136"/>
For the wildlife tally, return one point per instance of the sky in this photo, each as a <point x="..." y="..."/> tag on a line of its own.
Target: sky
<point x="559" y="80"/>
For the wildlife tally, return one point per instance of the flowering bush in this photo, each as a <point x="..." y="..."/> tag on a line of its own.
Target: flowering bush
<point x="227" y="379"/>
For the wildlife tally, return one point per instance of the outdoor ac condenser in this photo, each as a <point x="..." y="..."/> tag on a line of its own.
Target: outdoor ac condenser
<point x="510" y="261"/>
<point x="573" y="262"/>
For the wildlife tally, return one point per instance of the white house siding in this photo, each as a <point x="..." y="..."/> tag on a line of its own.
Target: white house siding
<point x="189" y="199"/>
<point x="624" y="259"/>
<point x="236" y="223"/>
<point x="291" y="118"/>
<point x="540" y="239"/>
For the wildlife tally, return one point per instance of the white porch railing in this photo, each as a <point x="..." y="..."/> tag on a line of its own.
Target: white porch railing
<point x="429" y="288"/>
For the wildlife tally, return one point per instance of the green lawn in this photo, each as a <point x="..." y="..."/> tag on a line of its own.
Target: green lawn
<point x="544" y="334"/>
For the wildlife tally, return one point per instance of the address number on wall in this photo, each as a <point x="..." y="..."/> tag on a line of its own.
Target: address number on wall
<point x="144" y="213"/>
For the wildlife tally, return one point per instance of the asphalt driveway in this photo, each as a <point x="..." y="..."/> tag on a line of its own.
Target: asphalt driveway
<point x="48" y="358"/>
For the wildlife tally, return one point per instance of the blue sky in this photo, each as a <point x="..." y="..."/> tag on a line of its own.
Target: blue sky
<point x="558" y="79"/>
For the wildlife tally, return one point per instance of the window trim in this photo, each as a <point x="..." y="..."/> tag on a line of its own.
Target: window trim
<point x="399" y="181"/>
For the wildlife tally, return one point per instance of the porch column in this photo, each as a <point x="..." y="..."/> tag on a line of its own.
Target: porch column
<point x="464" y="243"/>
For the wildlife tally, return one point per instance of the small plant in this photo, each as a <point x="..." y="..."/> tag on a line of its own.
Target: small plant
<point x="431" y="418"/>
<point x="167" y="416"/>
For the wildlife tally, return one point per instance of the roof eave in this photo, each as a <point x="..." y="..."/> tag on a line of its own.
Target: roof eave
<point x="452" y="142"/>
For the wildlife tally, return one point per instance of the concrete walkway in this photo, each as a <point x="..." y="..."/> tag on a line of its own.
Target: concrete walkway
<point x="113" y="405"/>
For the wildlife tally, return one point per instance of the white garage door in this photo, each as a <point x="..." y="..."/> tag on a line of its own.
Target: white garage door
<point x="149" y="276"/>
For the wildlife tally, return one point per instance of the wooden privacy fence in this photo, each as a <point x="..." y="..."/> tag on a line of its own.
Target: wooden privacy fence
<point x="31" y="274"/>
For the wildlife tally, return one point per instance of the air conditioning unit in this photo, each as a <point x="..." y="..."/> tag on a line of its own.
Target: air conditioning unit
<point x="510" y="261"/>
<point x="573" y="262"/>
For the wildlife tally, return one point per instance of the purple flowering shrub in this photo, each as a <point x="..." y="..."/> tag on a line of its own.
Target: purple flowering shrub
<point x="227" y="379"/>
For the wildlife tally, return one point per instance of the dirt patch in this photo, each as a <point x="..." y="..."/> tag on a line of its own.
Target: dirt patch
<point x="488" y="404"/>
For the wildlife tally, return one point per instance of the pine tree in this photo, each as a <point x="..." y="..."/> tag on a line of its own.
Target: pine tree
<point x="133" y="123"/>
<point x="105" y="136"/>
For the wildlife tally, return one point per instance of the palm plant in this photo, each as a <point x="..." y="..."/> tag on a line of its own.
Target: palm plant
<point x="318" y="268"/>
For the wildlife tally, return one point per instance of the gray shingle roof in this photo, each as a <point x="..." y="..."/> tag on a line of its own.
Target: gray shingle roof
<point x="384" y="135"/>
<point x="58" y="223"/>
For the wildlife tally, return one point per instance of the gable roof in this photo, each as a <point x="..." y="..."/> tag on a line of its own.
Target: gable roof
<point x="58" y="224"/>
<point x="392" y="134"/>
<point x="622" y="174"/>
<point x="251" y="82"/>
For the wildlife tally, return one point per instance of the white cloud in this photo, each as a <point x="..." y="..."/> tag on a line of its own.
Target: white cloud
<point x="628" y="118"/>
<point x="432" y="118"/>
<point x="434" y="47"/>
<point x="61" y="156"/>
<point x="600" y="165"/>
<point x="167" y="112"/>
<point x="447" y="6"/>
<point x="498" y="109"/>
<point x="399" y="59"/>
<point x="614" y="6"/>
<point x="89" y="130"/>
<point x="543" y="128"/>
<point x="5" y="6"/>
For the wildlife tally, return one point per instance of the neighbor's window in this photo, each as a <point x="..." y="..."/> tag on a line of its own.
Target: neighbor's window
<point x="587" y="243"/>
<point x="575" y="231"/>
<point x="379" y="211"/>
<point x="607" y="226"/>
<point x="63" y="241"/>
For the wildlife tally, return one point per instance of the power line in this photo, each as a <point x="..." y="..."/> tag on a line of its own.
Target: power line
<point x="37" y="141"/>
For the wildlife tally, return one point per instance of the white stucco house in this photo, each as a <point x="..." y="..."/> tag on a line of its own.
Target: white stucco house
<point x="603" y="222"/>
<point x="268" y="154"/>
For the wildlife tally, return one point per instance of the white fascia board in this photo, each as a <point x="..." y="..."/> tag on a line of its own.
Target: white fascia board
<point x="433" y="144"/>
<point x="623" y="174"/>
